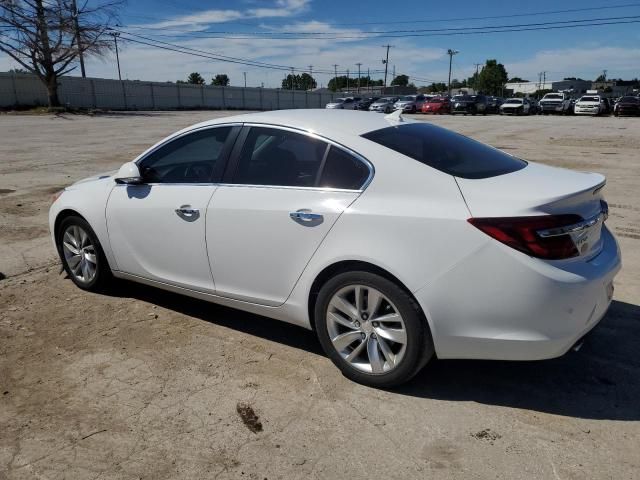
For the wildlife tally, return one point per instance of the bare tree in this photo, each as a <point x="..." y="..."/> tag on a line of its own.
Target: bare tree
<point x="47" y="37"/>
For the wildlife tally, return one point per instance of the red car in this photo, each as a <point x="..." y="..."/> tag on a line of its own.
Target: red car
<point x="437" y="105"/>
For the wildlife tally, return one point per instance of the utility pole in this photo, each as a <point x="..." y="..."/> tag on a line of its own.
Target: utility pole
<point x="359" y="65"/>
<point x="293" y="76"/>
<point x="540" y="81"/>
<point x="394" y="77"/>
<point x="386" y="64"/>
<point x="475" y="80"/>
<point x="347" y="79"/>
<point x="335" y="75"/>
<point x="451" y="53"/>
<point x="76" y="27"/>
<point x="544" y="79"/>
<point x="245" y="79"/>
<point x="115" y="36"/>
<point x="368" y="78"/>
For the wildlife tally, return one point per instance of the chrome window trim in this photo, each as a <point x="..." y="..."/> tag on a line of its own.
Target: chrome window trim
<point x="351" y="152"/>
<point x="322" y="138"/>
<point x="284" y="187"/>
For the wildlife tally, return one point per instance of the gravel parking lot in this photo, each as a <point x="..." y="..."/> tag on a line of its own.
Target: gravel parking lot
<point x="140" y="383"/>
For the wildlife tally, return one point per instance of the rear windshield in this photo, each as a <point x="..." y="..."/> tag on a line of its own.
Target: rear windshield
<point x="590" y="99"/>
<point x="630" y="99"/>
<point x="446" y="151"/>
<point x="514" y="100"/>
<point x="553" y="96"/>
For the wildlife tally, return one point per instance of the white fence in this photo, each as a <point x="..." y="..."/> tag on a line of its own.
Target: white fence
<point x="20" y="90"/>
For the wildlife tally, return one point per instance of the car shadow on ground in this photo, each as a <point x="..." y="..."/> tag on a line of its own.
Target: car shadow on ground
<point x="600" y="381"/>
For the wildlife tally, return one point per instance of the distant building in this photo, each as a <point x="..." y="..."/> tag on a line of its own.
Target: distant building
<point x="576" y="87"/>
<point x="526" y="88"/>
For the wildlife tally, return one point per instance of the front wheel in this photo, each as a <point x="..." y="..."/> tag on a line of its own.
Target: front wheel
<point x="371" y="329"/>
<point x="81" y="254"/>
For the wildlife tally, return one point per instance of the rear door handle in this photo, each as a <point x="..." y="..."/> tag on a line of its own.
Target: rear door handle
<point x="188" y="213"/>
<point x="304" y="216"/>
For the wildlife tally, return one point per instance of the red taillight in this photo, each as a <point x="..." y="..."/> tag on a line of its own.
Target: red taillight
<point x="521" y="233"/>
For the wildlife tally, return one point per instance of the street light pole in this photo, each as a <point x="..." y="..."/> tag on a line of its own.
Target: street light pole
<point x="359" y="65"/>
<point x="451" y="53"/>
<point x="245" y="79"/>
<point x="335" y="76"/>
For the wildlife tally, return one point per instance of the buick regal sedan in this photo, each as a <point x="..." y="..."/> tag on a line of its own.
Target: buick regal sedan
<point x="395" y="241"/>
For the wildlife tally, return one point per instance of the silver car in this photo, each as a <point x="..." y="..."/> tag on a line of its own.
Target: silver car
<point x="346" y="103"/>
<point x="410" y="103"/>
<point x="384" y="105"/>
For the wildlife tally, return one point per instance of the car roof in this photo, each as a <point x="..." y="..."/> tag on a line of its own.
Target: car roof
<point x="324" y="122"/>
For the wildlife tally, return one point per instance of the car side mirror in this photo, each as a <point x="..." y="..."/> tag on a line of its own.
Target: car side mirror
<point x="129" y="174"/>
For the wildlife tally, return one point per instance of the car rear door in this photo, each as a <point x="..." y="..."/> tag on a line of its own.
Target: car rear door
<point x="157" y="229"/>
<point x="284" y="191"/>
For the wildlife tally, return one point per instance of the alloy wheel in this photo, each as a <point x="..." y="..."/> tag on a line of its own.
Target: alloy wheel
<point x="79" y="253"/>
<point x="366" y="329"/>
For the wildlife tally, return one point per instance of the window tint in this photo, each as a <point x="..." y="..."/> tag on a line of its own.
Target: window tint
<point x="342" y="170"/>
<point x="272" y="156"/>
<point x="188" y="159"/>
<point x="446" y="151"/>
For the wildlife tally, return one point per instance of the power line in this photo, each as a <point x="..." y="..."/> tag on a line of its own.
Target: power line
<point x="213" y="56"/>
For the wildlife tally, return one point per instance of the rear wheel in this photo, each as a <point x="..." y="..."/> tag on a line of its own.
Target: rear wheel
<point x="371" y="329"/>
<point x="81" y="254"/>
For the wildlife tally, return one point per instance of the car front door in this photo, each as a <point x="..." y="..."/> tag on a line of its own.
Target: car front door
<point x="157" y="229"/>
<point x="282" y="196"/>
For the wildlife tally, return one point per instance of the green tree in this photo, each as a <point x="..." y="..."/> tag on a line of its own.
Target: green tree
<point x="195" y="79"/>
<point x="492" y="78"/>
<point x="220" y="80"/>
<point x="601" y="78"/>
<point x="401" y="81"/>
<point x="518" y="80"/>
<point x="299" y="82"/>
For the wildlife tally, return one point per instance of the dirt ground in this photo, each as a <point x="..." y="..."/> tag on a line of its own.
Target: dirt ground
<point x="143" y="384"/>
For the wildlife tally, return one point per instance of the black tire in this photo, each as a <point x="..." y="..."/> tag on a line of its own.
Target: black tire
<point x="419" y="344"/>
<point x="103" y="274"/>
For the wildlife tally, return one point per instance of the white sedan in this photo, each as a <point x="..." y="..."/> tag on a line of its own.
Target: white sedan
<point x="396" y="241"/>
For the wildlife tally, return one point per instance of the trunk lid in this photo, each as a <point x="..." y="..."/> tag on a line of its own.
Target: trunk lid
<point x="542" y="190"/>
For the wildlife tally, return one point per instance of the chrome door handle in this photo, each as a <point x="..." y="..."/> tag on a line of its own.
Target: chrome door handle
<point x="186" y="212"/>
<point x="305" y="216"/>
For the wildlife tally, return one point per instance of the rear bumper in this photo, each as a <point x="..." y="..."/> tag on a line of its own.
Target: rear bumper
<point x="500" y="304"/>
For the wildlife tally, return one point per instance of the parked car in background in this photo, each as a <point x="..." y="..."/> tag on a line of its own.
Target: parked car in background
<point x="516" y="106"/>
<point x="591" y="105"/>
<point x="384" y="105"/>
<point x="365" y="103"/>
<point x="438" y="105"/>
<point x="493" y="104"/>
<point x="410" y="103"/>
<point x="627" y="106"/>
<point x="472" y="104"/>
<point x="346" y="103"/>
<point x="376" y="234"/>
<point x="559" y="102"/>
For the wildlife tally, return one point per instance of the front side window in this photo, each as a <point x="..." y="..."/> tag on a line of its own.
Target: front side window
<point x="446" y="151"/>
<point x="188" y="159"/>
<point x="272" y="156"/>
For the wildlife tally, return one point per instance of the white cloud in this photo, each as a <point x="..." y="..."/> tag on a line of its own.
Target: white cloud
<point x="281" y="8"/>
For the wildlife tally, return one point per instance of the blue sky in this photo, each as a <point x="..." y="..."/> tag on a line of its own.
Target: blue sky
<point x="581" y="52"/>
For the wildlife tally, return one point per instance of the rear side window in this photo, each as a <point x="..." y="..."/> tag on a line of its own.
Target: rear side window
<point x="446" y="151"/>
<point x="342" y="170"/>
